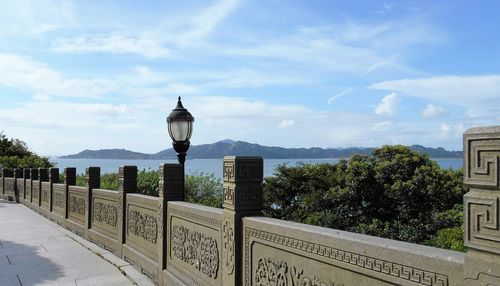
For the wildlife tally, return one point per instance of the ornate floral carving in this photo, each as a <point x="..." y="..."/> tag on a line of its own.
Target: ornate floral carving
<point x="143" y="225"/>
<point x="196" y="249"/>
<point x="77" y="205"/>
<point x="416" y="275"/>
<point x="271" y="272"/>
<point x="59" y="200"/>
<point x="228" y="246"/>
<point x="105" y="213"/>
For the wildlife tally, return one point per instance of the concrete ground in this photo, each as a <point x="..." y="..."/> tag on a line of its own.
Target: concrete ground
<point x="36" y="251"/>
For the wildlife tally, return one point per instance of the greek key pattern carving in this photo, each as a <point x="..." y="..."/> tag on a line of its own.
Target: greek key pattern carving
<point x="482" y="221"/>
<point x="196" y="249"/>
<point x="142" y="225"/>
<point x="77" y="205"/>
<point x="228" y="192"/>
<point x="228" y="171"/>
<point x="160" y="221"/>
<point x="272" y="272"/>
<point x="104" y="213"/>
<point x="120" y="207"/>
<point x="195" y="217"/>
<point x="59" y="200"/>
<point x="228" y="246"/>
<point x="415" y="275"/>
<point x="482" y="162"/>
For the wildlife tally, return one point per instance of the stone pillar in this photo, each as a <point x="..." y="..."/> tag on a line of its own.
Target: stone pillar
<point x="1" y="182"/>
<point x="93" y="181"/>
<point x="69" y="180"/>
<point x="43" y="176"/>
<point x="33" y="176"/>
<point x="26" y="177"/>
<point x="242" y="195"/>
<point x="18" y="174"/>
<point x="171" y="188"/>
<point x="127" y="177"/>
<point x="481" y="206"/>
<point x="53" y="179"/>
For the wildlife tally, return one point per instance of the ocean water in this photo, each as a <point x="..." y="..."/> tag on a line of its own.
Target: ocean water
<point x="207" y="166"/>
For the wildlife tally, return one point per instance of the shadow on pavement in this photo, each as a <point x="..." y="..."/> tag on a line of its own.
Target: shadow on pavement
<point x="22" y="264"/>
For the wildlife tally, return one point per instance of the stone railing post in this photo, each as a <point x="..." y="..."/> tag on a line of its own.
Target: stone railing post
<point x="53" y="179"/>
<point x="481" y="206"/>
<point x="171" y="188"/>
<point x="242" y="196"/>
<point x="26" y="177"/>
<point x="127" y="177"/>
<point x="69" y="180"/>
<point x="18" y="174"/>
<point x="43" y="176"/>
<point x="93" y="181"/>
<point x="33" y="176"/>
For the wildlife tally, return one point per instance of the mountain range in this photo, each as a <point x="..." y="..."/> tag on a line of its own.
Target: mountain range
<point x="240" y="148"/>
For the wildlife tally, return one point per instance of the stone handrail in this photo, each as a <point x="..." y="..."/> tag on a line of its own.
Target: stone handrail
<point x="178" y="243"/>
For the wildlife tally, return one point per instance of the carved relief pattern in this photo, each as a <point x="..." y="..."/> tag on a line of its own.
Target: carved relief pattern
<point x="195" y="217"/>
<point x="228" y="194"/>
<point x="143" y="225"/>
<point x="228" y="246"/>
<point x="45" y="195"/>
<point x="271" y="272"/>
<point x="77" y="205"/>
<point x="160" y="220"/>
<point x="228" y="171"/>
<point x="34" y="192"/>
<point x="120" y="207"/>
<point x="482" y="162"/>
<point x="482" y="226"/>
<point x="104" y="213"/>
<point x="196" y="249"/>
<point x="415" y="275"/>
<point x="59" y="200"/>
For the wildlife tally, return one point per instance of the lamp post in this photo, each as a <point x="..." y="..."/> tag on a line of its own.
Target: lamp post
<point x="180" y="128"/>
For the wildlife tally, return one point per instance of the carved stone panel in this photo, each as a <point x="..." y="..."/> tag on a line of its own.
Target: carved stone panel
<point x="104" y="212"/>
<point x="196" y="249"/>
<point x="243" y="169"/>
<point x="142" y="225"/>
<point x="76" y="206"/>
<point x="35" y="191"/>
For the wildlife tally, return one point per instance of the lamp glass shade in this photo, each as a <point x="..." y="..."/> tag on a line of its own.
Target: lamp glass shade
<point x="180" y="130"/>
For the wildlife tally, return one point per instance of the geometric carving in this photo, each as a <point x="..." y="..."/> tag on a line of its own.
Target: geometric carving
<point x="228" y="245"/>
<point x="196" y="249"/>
<point x="481" y="159"/>
<point x="105" y="213"/>
<point x="415" y="275"/>
<point x="142" y="225"/>
<point x="270" y="272"/>
<point x="482" y="220"/>
<point x="238" y="169"/>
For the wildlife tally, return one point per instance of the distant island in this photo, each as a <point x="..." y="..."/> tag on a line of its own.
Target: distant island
<point x="240" y="148"/>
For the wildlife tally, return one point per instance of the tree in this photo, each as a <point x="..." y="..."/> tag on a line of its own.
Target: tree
<point x="14" y="153"/>
<point x="395" y="193"/>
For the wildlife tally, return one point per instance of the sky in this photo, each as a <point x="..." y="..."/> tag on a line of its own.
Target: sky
<point x="78" y="75"/>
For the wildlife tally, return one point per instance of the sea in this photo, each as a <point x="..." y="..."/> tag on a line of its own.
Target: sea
<point x="206" y="166"/>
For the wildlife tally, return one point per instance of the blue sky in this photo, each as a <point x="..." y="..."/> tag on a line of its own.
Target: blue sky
<point x="80" y="75"/>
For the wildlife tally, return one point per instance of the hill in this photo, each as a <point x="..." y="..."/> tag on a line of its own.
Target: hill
<point x="240" y="148"/>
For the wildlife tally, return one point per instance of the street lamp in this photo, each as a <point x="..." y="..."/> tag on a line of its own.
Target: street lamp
<point x="180" y="128"/>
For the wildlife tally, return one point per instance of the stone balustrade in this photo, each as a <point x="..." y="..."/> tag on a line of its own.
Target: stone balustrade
<point x="179" y="243"/>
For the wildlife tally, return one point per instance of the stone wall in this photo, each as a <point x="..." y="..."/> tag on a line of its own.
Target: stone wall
<point x="178" y="243"/>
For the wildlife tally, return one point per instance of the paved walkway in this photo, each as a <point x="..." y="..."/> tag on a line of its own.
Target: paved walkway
<point x="35" y="251"/>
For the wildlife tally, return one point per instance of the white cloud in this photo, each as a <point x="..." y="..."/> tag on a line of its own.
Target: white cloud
<point x="432" y="111"/>
<point x="381" y="126"/>
<point x="343" y="93"/>
<point x="452" y="131"/>
<point x="287" y="123"/>
<point x="145" y="46"/>
<point x="389" y="104"/>
<point x="459" y="90"/>
<point x="36" y="77"/>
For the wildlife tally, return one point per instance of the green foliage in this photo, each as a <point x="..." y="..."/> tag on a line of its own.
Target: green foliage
<point x="204" y="189"/>
<point x="147" y="182"/>
<point x="14" y="153"/>
<point x="449" y="238"/>
<point x="396" y="193"/>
